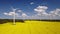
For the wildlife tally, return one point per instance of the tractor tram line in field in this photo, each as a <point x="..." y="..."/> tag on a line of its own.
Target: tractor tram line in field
<point x="29" y="27"/>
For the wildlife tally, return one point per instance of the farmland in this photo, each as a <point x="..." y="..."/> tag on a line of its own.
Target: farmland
<point x="31" y="27"/>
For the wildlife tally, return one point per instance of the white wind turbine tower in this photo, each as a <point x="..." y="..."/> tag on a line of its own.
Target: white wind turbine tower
<point x="13" y="9"/>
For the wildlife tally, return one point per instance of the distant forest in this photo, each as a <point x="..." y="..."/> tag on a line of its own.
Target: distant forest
<point x="22" y="20"/>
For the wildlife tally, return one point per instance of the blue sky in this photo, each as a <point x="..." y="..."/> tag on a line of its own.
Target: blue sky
<point x="27" y="8"/>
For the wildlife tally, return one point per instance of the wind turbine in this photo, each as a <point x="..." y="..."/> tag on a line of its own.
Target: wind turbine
<point x="13" y="9"/>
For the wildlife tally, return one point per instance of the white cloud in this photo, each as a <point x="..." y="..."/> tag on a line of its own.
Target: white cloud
<point x="17" y="13"/>
<point x="32" y="3"/>
<point x="19" y="10"/>
<point x="24" y="15"/>
<point x="11" y="13"/>
<point x="41" y="10"/>
<point x="55" y="12"/>
<point x="5" y="13"/>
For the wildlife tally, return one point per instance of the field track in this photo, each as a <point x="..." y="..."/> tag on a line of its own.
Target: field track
<point x="31" y="27"/>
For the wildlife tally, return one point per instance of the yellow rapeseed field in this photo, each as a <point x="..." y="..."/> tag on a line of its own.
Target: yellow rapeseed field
<point x="31" y="27"/>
